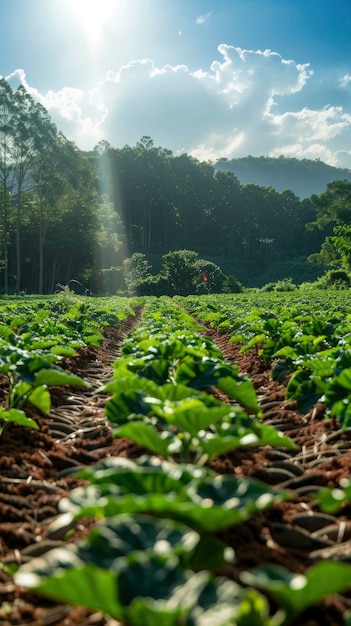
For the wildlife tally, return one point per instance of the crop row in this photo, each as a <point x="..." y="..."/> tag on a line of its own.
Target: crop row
<point x="155" y="555"/>
<point x="307" y="340"/>
<point x="35" y="335"/>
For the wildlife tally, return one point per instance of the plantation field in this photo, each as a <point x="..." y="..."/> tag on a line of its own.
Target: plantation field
<point x="178" y="461"/>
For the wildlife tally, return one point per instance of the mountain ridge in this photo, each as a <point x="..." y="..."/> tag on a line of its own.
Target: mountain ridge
<point x="304" y="177"/>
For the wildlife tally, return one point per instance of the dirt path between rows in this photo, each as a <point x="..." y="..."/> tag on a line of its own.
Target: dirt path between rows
<point x="36" y="472"/>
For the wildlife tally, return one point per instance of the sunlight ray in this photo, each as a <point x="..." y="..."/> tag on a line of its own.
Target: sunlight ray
<point x="92" y="16"/>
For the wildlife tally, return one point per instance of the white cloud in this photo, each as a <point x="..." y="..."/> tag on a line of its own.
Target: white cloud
<point x="203" y="18"/>
<point x="241" y="104"/>
<point x="345" y="80"/>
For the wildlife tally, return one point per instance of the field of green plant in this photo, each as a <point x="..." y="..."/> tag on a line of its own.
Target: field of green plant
<point x="157" y="553"/>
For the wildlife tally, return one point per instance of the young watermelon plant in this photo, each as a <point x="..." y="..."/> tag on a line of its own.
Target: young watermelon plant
<point x="33" y="339"/>
<point x="160" y="393"/>
<point x="30" y="372"/>
<point x="156" y="554"/>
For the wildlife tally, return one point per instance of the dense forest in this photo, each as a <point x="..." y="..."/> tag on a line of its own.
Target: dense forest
<point x="67" y="214"/>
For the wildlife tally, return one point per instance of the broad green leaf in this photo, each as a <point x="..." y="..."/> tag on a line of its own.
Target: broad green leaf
<point x="58" y="377"/>
<point x="210" y="553"/>
<point x="93" y="340"/>
<point x="40" y="398"/>
<point x="242" y="391"/>
<point x="305" y="389"/>
<point x="64" y="578"/>
<point x="147" y="436"/>
<point x="119" y="408"/>
<point x="295" y="592"/>
<point x="124" y="535"/>
<point x="191" y="415"/>
<point x="6" y="332"/>
<point x="209" y="506"/>
<point x="157" y="371"/>
<point x="203" y="373"/>
<point x="215" y="445"/>
<point x="65" y="351"/>
<point x="148" y="475"/>
<point x="148" y="612"/>
<point x="268" y="435"/>
<point x="17" y="321"/>
<point x="17" y="417"/>
<point x="339" y="388"/>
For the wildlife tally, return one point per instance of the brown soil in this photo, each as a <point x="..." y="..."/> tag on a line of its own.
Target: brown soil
<point x="35" y="474"/>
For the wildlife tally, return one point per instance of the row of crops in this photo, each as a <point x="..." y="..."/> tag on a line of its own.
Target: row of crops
<point x="308" y="338"/>
<point x="156" y="554"/>
<point x="35" y="336"/>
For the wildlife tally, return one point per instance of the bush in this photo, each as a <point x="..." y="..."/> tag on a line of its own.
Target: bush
<point x="136" y="269"/>
<point x="180" y="271"/>
<point x="232" y="285"/>
<point x="110" y="281"/>
<point x="338" y="279"/>
<point x="153" y="286"/>
<point x="286" y="284"/>
<point x="209" y="277"/>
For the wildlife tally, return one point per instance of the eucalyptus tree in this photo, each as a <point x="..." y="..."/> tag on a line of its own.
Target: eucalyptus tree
<point x="24" y="153"/>
<point x="227" y="215"/>
<point x="194" y="201"/>
<point x="73" y="236"/>
<point x="6" y="148"/>
<point x="143" y="194"/>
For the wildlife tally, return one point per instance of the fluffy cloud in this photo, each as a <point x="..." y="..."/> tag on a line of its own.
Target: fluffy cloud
<point x="242" y="104"/>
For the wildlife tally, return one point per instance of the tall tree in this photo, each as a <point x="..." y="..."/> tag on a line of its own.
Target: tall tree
<point x="6" y="147"/>
<point x="333" y="210"/>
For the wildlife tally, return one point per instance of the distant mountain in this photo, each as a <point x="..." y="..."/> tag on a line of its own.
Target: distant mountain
<point x="303" y="177"/>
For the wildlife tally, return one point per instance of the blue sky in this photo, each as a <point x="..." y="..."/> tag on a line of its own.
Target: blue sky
<point x="213" y="78"/>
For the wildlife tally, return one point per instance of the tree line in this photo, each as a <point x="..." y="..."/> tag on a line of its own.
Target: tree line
<point x="67" y="214"/>
<point x="169" y="202"/>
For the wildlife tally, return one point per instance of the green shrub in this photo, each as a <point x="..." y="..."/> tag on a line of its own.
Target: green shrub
<point x="286" y="284"/>
<point x="338" y="279"/>
<point x="232" y="285"/>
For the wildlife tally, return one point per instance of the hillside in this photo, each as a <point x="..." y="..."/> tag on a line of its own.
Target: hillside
<point x="303" y="177"/>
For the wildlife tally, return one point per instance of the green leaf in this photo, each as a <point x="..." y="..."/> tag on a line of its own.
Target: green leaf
<point x="332" y="500"/>
<point x="124" y="535"/>
<point x="40" y="398"/>
<point x="157" y="371"/>
<point x="93" y="340"/>
<point x="60" y="575"/>
<point x="17" y="417"/>
<point x="295" y="592"/>
<point x="210" y="553"/>
<point x="147" y="436"/>
<point x="149" y="475"/>
<point x="57" y="377"/>
<point x="241" y="390"/>
<point x="203" y="373"/>
<point x="206" y="506"/>
<point x="119" y="408"/>
<point x="305" y="389"/>
<point x="191" y="415"/>
<point x="63" y="351"/>
<point x="6" y="332"/>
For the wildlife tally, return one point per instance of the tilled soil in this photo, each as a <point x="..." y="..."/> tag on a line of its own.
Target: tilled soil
<point x="35" y="473"/>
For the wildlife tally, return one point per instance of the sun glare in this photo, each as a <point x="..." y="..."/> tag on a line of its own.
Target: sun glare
<point x="92" y="16"/>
